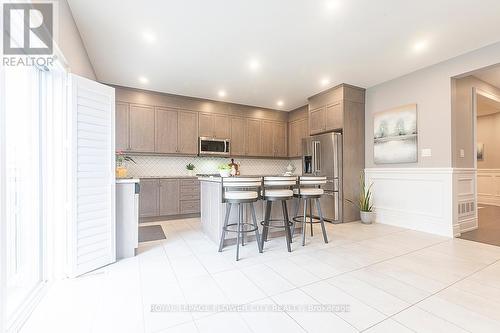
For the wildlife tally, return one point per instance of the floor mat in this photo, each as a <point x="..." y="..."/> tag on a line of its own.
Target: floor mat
<point x="151" y="233"/>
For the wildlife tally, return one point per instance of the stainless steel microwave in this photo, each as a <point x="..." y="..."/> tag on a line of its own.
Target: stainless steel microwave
<point x="212" y="146"/>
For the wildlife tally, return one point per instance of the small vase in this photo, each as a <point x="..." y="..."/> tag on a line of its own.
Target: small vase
<point x="121" y="172"/>
<point x="190" y="173"/>
<point x="367" y="217"/>
<point x="224" y="173"/>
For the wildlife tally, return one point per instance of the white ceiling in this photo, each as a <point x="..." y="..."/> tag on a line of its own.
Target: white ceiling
<point x="202" y="46"/>
<point x="487" y="106"/>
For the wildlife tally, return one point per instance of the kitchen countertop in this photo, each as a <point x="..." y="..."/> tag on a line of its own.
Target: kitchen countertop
<point x="127" y="180"/>
<point x="167" y="177"/>
<point x="216" y="179"/>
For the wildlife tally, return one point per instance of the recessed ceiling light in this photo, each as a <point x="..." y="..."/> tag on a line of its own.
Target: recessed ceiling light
<point x="143" y="79"/>
<point x="280" y="103"/>
<point x="325" y="81"/>
<point x="332" y="5"/>
<point x="222" y="93"/>
<point x="149" y="37"/>
<point x="420" y="46"/>
<point x="254" y="64"/>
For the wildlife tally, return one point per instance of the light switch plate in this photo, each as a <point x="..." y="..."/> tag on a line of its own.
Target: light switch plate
<point x="427" y="152"/>
<point x="462" y="153"/>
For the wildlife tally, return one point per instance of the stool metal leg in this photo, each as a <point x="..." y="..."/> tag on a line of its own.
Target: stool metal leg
<point x="257" y="236"/>
<point x="311" y="215"/>
<point x="296" y="214"/>
<point x="238" y="234"/>
<point x="287" y="227"/>
<point x="304" y="221"/>
<point x="226" y="220"/>
<point x="325" y="237"/>
<point x="242" y="226"/>
<point x="267" y="215"/>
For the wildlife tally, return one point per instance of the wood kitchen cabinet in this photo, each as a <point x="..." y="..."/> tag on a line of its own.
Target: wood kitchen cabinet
<point x="267" y="133"/>
<point x="317" y="120"/>
<point x="176" y="131"/>
<point x="253" y="137"/>
<point x="279" y="140"/>
<point x="297" y="130"/>
<point x="149" y="198"/>
<point x="169" y="197"/>
<point x="166" y="124"/>
<point x="142" y="128"/>
<point x="328" y="109"/>
<point x="122" y="126"/>
<point x="214" y="126"/>
<point x="273" y="142"/>
<point x="187" y="132"/>
<point x="238" y="136"/>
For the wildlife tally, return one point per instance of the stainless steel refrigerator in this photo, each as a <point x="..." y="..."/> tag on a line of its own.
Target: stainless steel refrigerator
<point x="322" y="156"/>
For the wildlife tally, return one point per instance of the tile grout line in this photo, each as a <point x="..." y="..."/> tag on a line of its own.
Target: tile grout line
<point x="435" y="293"/>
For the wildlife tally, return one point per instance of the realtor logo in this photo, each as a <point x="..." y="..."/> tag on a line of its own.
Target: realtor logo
<point x="28" y="28"/>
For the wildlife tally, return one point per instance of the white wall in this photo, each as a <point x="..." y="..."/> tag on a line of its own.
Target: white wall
<point x="71" y="44"/>
<point x="432" y="90"/>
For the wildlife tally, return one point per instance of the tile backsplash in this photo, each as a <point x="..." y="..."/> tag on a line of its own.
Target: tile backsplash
<point x="157" y="166"/>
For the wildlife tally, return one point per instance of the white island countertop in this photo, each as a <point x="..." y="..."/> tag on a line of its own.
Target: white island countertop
<point x="127" y="180"/>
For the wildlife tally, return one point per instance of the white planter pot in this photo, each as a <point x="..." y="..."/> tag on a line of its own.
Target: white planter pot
<point x="367" y="217"/>
<point x="190" y="173"/>
<point x="225" y="173"/>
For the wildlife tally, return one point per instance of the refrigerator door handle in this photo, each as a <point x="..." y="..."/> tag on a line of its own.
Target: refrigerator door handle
<point x="317" y="155"/>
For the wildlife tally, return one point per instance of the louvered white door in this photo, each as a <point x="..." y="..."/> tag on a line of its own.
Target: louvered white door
<point x="91" y="232"/>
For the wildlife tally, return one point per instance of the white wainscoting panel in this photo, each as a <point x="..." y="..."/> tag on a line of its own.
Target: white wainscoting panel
<point x="414" y="198"/>
<point x="464" y="198"/>
<point x="488" y="186"/>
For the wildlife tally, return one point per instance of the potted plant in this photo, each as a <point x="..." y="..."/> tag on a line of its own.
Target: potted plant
<point x="364" y="202"/>
<point x="190" y="169"/>
<point x="224" y="170"/>
<point x="121" y="169"/>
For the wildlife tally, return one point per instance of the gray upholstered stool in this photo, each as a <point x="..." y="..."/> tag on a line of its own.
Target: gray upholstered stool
<point x="240" y="191"/>
<point x="277" y="189"/>
<point x="309" y="190"/>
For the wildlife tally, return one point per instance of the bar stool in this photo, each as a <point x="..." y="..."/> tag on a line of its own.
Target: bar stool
<point x="240" y="191"/>
<point x="277" y="189"/>
<point x="309" y="189"/>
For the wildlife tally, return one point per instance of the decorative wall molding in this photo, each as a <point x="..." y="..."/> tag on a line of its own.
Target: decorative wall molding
<point x="488" y="186"/>
<point x="441" y="201"/>
<point x="414" y="198"/>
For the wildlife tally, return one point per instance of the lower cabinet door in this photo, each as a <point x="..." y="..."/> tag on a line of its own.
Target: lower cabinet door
<point x="148" y="198"/>
<point x="169" y="197"/>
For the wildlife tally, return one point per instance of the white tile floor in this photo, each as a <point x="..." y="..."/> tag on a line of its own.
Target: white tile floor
<point x="393" y="280"/>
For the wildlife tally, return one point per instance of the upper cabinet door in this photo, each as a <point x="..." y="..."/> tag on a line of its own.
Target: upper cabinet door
<point x="317" y="120"/>
<point x="267" y="146"/>
<point x="238" y="137"/>
<point x="142" y="128"/>
<point x="206" y="125"/>
<point x="221" y="127"/>
<point x="334" y="116"/>
<point x="253" y="136"/>
<point x="166" y="131"/>
<point x="279" y="139"/>
<point x="187" y="142"/>
<point x="121" y="126"/>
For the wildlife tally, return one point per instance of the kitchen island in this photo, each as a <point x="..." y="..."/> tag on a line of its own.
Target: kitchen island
<point x="213" y="210"/>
